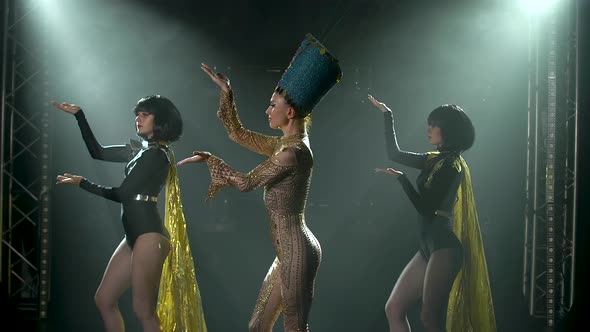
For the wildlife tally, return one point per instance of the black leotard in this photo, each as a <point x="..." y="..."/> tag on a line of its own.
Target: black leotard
<point x="437" y="191"/>
<point x="145" y="174"/>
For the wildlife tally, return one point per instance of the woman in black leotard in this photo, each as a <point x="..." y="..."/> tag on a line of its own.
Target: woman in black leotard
<point x="138" y="260"/>
<point x="449" y="236"/>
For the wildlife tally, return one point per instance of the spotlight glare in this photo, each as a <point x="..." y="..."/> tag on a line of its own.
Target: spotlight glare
<point x="536" y="6"/>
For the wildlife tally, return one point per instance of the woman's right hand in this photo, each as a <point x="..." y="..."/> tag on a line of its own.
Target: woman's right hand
<point x="198" y="157"/>
<point x="67" y="107"/>
<point x="221" y="80"/>
<point x="389" y="171"/>
<point x="68" y="178"/>
<point x="381" y="106"/>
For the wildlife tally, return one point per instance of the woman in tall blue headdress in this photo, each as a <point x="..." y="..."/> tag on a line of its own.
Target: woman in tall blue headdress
<point x="286" y="176"/>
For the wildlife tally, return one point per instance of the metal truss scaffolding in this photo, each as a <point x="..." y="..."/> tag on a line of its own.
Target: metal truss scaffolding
<point x="550" y="219"/>
<point x="24" y="161"/>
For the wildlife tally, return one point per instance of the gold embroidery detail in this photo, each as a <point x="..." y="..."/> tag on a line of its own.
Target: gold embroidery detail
<point x="251" y="140"/>
<point x="286" y="189"/>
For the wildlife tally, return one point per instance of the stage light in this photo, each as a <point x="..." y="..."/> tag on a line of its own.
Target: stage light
<point x="536" y="6"/>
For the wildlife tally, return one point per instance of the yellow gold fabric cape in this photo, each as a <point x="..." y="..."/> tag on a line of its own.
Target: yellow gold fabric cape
<point x="470" y="302"/>
<point x="179" y="301"/>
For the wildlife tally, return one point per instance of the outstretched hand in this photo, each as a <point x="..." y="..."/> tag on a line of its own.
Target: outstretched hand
<point x="389" y="171"/>
<point x="381" y="106"/>
<point x="221" y="80"/>
<point x="198" y="157"/>
<point x="67" y="107"/>
<point x="68" y="178"/>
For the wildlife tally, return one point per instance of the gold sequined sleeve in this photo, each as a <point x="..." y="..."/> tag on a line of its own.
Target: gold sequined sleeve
<point x="272" y="170"/>
<point x="251" y="140"/>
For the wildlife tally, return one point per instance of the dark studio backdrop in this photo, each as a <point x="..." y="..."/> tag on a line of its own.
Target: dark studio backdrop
<point x="412" y="55"/>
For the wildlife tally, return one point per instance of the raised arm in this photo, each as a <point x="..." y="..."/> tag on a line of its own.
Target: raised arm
<point x="113" y="153"/>
<point x="411" y="159"/>
<point x="228" y="114"/>
<point x="152" y="165"/>
<point x="251" y="140"/>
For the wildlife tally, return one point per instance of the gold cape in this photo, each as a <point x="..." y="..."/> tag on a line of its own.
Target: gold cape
<point x="179" y="301"/>
<point x="470" y="302"/>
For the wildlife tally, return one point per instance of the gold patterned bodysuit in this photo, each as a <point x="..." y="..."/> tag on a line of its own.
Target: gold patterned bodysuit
<point x="286" y="177"/>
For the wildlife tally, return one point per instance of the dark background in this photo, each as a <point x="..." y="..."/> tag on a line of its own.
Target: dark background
<point x="412" y="55"/>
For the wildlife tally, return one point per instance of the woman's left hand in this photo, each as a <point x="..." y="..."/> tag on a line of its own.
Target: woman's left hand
<point x="221" y="80"/>
<point x="381" y="106"/>
<point x="389" y="171"/>
<point x="68" y="178"/>
<point x="67" y="107"/>
<point x="198" y="157"/>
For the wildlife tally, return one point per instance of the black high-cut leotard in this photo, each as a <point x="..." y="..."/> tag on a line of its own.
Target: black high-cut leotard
<point x="436" y="195"/>
<point x="145" y="174"/>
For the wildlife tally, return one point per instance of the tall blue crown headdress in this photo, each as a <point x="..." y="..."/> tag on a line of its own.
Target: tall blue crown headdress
<point x="313" y="71"/>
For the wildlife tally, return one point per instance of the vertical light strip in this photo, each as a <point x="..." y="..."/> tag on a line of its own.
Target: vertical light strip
<point x="550" y="171"/>
<point x="3" y="126"/>
<point x="529" y="184"/>
<point x="44" y="240"/>
<point x="574" y="218"/>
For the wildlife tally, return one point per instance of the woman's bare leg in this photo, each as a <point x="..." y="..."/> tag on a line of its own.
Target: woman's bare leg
<point x="269" y="302"/>
<point x="442" y="269"/>
<point x="406" y="292"/>
<point x="116" y="279"/>
<point x="149" y="253"/>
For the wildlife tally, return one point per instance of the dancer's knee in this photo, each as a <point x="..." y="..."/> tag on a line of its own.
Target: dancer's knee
<point x="395" y="310"/>
<point x="104" y="302"/>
